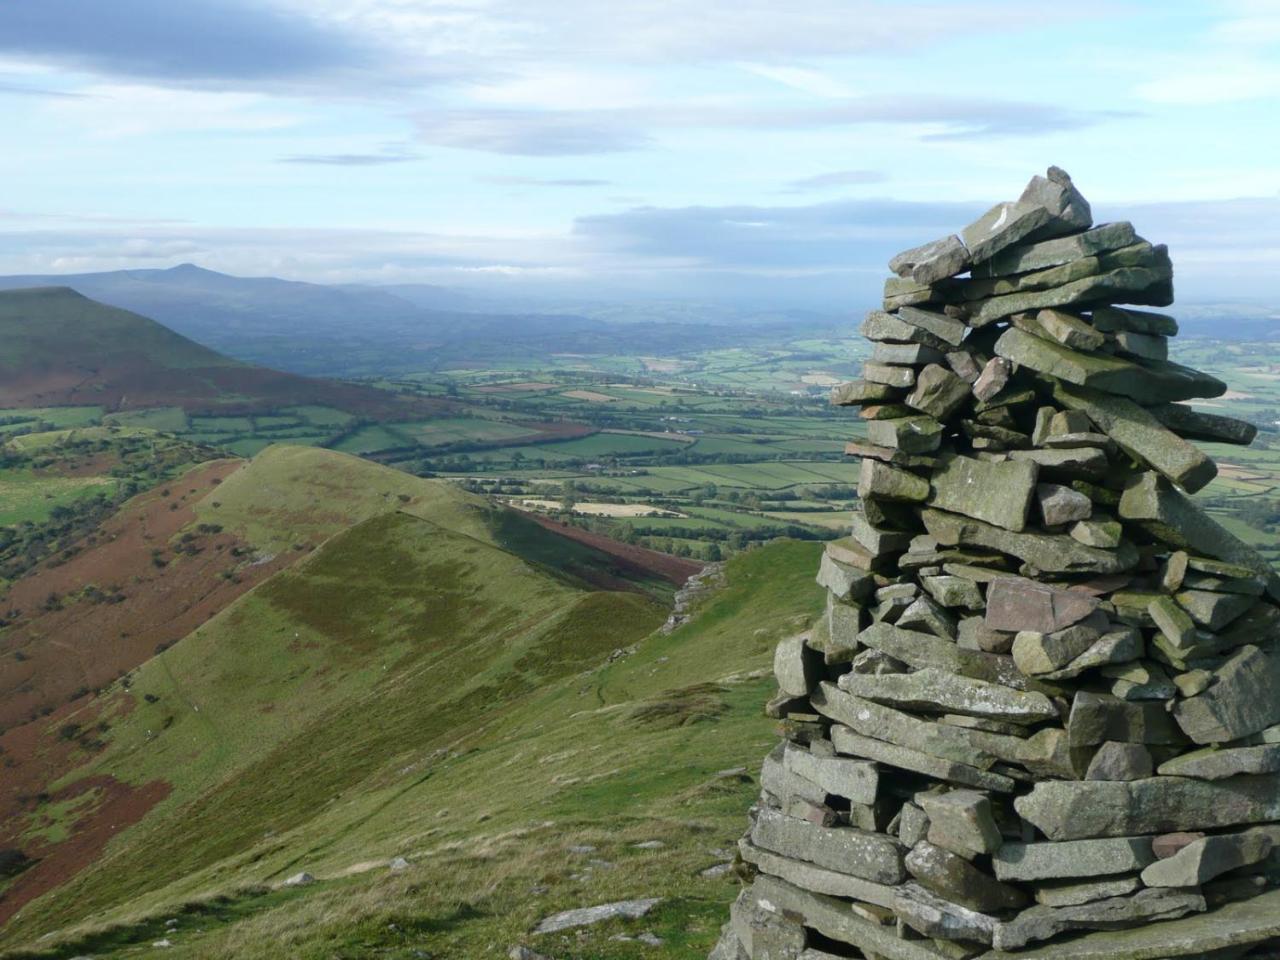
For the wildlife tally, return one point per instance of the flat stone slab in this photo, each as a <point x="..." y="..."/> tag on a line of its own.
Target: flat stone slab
<point x="1243" y="699"/>
<point x="1141" y="435"/>
<point x="816" y="879"/>
<point x="1248" y="922"/>
<point x="833" y="918"/>
<point x="1016" y="604"/>
<point x="1147" y="383"/>
<point x="904" y="758"/>
<point x="1051" y="553"/>
<point x="938" y="691"/>
<point x="1145" y="906"/>
<point x="855" y="780"/>
<point x="1064" y="810"/>
<point x="856" y="852"/>
<point x="996" y="493"/>
<point x="1170" y="515"/>
<point x="586" y="916"/>
<point x="1072" y="858"/>
<point x="1051" y="253"/>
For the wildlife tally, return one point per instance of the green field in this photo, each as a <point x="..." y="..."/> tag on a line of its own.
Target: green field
<point x="28" y="497"/>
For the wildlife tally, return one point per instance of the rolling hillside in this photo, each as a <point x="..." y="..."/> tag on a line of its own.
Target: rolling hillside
<point x="63" y="349"/>
<point x="427" y="678"/>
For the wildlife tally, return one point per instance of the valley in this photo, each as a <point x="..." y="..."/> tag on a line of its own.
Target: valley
<point x="272" y="625"/>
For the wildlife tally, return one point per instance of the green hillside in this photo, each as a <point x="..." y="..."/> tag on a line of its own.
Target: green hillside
<point x="414" y="689"/>
<point x="54" y="326"/>
<point x="63" y="349"/>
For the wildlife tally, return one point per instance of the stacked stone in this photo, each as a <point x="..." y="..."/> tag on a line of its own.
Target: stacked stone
<point x="1044" y="702"/>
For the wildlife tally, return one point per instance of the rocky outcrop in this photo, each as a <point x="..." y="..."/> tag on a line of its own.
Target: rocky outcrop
<point x="1041" y="716"/>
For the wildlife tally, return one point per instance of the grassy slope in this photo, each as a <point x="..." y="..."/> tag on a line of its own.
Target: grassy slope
<point x="433" y="705"/>
<point x="57" y="326"/>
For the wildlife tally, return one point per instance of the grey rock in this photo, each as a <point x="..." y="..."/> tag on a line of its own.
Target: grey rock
<point x="938" y="392"/>
<point x="1065" y="328"/>
<point x="954" y="878"/>
<point x="919" y="434"/>
<point x="1196" y="425"/>
<point x="1040" y="653"/>
<point x="937" y="325"/>
<point x="1051" y="253"/>
<point x="993" y="378"/>
<point x="1146" y="346"/>
<point x="1070" y="811"/>
<point x="848" y="551"/>
<point x="859" y="392"/>
<point x="905" y="758"/>
<point x="833" y="883"/>
<point x="964" y="365"/>
<point x="858" y="853"/>
<point x="911" y="354"/>
<point x="1147" y="383"/>
<point x="1171" y="516"/>
<point x="1075" y="284"/>
<point x="920" y="650"/>
<point x="880" y="326"/>
<point x="1120" y="645"/>
<point x="935" y="916"/>
<point x="1219" y="764"/>
<point x="888" y="374"/>
<point x="1207" y="858"/>
<point x="1178" y="629"/>
<point x="588" y="916"/>
<point x="869" y="718"/>
<point x="1041" y="922"/>
<point x="1114" y="319"/>
<point x="1046" y="552"/>
<point x="961" y="821"/>
<point x="298" y="880"/>
<point x="1211" y="609"/>
<point x="1071" y="893"/>
<point x="1016" y="604"/>
<point x="1096" y="718"/>
<point x="521" y="952"/>
<point x="996" y="493"/>
<point x="1116" y="760"/>
<point x="882" y="481"/>
<point x="765" y="933"/>
<point x="1002" y="226"/>
<point x="928" y="616"/>
<point x="1072" y="858"/>
<point x="1105" y="534"/>
<point x="913" y="825"/>
<point x="940" y="691"/>
<point x="952" y="591"/>
<point x="1240" y="701"/>
<point x="1061" y="505"/>
<point x="846" y="583"/>
<point x="1071" y="463"/>
<point x="932" y="262"/>
<point x="833" y="919"/>
<point x="796" y="666"/>
<point x="855" y="780"/>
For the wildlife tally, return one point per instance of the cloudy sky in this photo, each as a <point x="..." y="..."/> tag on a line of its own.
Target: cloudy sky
<point x="745" y="148"/>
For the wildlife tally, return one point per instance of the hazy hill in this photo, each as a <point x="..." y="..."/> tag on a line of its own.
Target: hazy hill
<point x="365" y="330"/>
<point x="62" y="348"/>
<point x="423" y="679"/>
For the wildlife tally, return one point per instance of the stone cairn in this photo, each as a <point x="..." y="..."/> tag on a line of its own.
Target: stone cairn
<point x="1041" y="716"/>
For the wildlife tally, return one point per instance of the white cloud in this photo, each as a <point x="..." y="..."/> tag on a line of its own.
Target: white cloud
<point x="814" y="82"/>
<point x="112" y="110"/>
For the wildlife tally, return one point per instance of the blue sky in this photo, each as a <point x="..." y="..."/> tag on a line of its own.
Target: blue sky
<point x="709" y="148"/>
